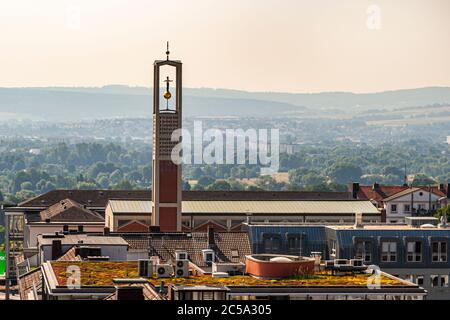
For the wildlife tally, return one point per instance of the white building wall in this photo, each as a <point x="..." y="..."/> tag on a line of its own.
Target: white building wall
<point x="421" y="200"/>
<point x="32" y="231"/>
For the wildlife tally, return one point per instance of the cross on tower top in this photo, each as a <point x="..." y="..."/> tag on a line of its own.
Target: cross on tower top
<point x="167" y="50"/>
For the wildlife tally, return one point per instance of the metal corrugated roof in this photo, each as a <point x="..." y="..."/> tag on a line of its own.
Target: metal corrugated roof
<point x="279" y="207"/>
<point x="257" y="207"/>
<point x="131" y="206"/>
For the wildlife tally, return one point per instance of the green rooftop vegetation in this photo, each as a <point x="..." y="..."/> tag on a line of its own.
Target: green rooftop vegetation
<point x="103" y="273"/>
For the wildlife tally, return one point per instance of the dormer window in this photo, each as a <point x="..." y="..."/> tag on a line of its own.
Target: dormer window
<point x="208" y="256"/>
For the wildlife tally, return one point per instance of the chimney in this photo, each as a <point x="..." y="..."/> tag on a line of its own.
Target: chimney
<point x="355" y="190"/>
<point x="56" y="249"/>
<point x="383" y="215"/>
<point x="211" y="241"/>
<point x="129" y="293"/>
<point x="358" y="220"/>
<point x="376" y="186"/>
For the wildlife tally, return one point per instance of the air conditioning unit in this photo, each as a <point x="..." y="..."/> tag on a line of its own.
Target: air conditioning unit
<point x="182" y="268"/>
<point x="181" y="255"/>
<point x="145" y="268"/>
<point x="220" y="275"/>
<point x="329" y="263"/>
<point x="228" y="267"/>
<point x="341" y="262"/>
<point x="356" y="262"/>
<point x="164" y="270"/>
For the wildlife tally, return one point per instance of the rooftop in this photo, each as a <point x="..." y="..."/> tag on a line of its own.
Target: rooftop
<point x="228" y="246"/>
<point x="385" y="227"/>
<point x="99" y="198"/>
<point x="70" y="255"/>
<point x="409" y="191"/>
<point x="130" y="206"/>
<point x="30" y="284"/>
<point x="73" y="239"/>
<point x="280" y="207"/>
<point x="103" y="274"/>
<point x="382" y="192"/>
<point x="69" y="210"/>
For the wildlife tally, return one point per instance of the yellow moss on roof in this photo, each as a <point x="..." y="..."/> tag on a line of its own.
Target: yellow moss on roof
<point x="103" y="273"/>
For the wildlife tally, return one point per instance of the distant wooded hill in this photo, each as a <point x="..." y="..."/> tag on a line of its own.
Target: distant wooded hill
<point x="78" y="103"/>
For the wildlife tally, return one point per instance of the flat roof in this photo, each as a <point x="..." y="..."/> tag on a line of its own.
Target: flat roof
<point x="103" y="274"/>
<point x="83" y="239"/>
<point x="385" y="227"/>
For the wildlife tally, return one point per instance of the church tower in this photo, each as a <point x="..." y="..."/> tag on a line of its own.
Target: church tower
<point x="166" y="178"/>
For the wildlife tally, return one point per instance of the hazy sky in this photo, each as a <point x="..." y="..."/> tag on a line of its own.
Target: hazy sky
<point x="259" y="45"/>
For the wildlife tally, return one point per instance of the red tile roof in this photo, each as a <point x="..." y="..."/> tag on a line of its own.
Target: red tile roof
<point x="70" y="256"/>
<point x="29" y="281"/>
<point x="135" y="241"/>
<point x="68" y="210"/>
<point x="378" y="194"/>
<point x="382" y="192"/>
<point x="164" y="246"/>
<point x="133" y="226"/>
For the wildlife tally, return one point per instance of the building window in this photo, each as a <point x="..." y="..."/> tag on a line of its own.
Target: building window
<point x="439" y="281"/>
<point x="293" y="243"/>
<point x="407" y="208"/>
<point x="209" y="257"/>
<point x="389" y="251"/>
<point x="393" y="208"/>
<point x="439" y="251"/>
<point x="364" y="251"/>
<point x="272" y="243"/>
<point x="414" y="251"/>
<point x="208" y="295"/>
<point x="408" y="277"/>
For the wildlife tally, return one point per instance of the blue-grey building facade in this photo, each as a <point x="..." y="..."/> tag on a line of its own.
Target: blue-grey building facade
<point x="420" y="255"/>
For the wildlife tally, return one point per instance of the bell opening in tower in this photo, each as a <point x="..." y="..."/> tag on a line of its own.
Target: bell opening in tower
<point x="168" y="90"/>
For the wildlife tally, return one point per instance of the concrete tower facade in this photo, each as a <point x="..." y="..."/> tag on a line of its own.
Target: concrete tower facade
<point x="166" y="179"/>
